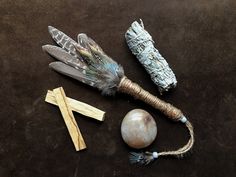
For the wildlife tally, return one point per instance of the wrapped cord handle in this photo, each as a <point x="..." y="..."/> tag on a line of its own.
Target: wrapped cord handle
<point x="133" y="89"/>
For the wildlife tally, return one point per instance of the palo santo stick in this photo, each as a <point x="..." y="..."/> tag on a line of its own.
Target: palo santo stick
<point x="78" y="106"/>
<point x="69" y="119"/>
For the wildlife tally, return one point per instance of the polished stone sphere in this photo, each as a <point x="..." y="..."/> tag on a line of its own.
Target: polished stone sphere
<point x="138" y="129"/>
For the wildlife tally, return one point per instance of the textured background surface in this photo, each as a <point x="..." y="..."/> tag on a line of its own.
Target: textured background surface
<point x="198" y="39"/>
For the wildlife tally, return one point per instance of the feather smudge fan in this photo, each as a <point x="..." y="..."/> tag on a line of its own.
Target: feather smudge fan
<point x="87" y="62"/>
<point x="84" y="61"/>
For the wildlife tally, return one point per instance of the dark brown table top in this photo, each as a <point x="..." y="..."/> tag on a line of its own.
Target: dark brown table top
<point x="198" y="39"/>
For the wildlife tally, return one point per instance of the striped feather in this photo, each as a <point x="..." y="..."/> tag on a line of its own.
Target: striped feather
<point x="64" y="41"/>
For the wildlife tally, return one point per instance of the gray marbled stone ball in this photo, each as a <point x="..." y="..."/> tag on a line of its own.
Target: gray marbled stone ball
<point x="138" y="129"/>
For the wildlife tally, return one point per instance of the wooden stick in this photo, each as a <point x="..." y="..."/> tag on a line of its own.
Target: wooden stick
<point x="78" y="106"/>
<point x="69" y="119"/>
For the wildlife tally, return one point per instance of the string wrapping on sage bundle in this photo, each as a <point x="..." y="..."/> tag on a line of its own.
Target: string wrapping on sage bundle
<point x="86" y="62"/>
<point x="141" y="44"/>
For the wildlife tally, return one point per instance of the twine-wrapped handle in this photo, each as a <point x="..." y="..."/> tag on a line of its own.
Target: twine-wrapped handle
<point x="131" y="88"/>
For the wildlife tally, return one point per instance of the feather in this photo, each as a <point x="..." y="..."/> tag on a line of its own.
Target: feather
<point x="73" y="73"/>
<point x="84" y="61"/>
<point x="107" y="69"/>
<point x="63" y="40"/>
<point x="64" y="56"/>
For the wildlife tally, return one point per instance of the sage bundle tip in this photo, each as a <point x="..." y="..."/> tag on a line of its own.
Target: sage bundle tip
<point x="85" y="61"/>
<point x="141" y="44"/>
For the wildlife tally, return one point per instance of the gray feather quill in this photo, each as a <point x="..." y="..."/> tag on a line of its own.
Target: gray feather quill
<point x="84" y="61"/>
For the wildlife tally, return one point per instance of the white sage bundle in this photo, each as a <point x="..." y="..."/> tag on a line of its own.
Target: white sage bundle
<point x="141" y="44"/>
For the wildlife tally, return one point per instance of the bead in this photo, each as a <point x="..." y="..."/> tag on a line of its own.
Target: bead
<point x="183" y="119"/>
<point x="155" y="155"/>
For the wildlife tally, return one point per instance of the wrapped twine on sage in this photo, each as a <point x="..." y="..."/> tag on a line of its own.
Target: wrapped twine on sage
<point x="141" y="44"/>
<point x="87" y="62"/>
